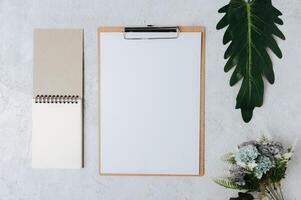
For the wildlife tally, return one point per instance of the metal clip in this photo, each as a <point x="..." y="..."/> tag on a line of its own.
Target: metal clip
<point x="151" y="29"/>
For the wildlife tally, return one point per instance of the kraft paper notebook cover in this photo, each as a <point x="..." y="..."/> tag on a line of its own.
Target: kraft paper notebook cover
<point x="57" y="123"/>
<point x="151" y="100"/>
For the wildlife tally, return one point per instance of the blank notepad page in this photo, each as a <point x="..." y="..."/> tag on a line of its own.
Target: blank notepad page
<point x="57" y="135"/>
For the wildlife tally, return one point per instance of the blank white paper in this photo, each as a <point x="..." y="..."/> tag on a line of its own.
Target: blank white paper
<point x="150" y="104"/>
<point x="57" y="135"/>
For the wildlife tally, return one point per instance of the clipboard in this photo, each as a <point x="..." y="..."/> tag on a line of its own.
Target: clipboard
<point x="160" y="33"/>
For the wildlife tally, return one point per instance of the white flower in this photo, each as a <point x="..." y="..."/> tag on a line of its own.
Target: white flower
<point x="251" y="166"/>
<point x="241" y="164"/>
<point x="278" y="156"/>
<point x="264" y="138"/>
<point x="287" y="156"/>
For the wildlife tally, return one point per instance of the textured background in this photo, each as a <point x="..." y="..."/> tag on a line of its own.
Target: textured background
<point x="280" y="115"/>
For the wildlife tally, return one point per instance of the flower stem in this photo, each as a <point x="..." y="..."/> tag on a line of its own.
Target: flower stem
<point x="280" y="188"/>
<point x="270" y="195"/>
<point x="273" y="191"/>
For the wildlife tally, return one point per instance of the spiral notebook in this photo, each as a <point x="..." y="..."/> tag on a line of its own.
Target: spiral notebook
<point x="57" y="122"/>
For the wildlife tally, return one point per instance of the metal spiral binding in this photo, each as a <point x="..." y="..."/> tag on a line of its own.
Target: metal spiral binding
<point x="57" y="99"/>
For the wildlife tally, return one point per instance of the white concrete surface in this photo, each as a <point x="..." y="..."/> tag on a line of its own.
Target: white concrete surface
<point x="281" y="113"/>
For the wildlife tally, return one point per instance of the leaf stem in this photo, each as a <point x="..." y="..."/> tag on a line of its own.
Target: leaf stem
<point x="249" y="39"/>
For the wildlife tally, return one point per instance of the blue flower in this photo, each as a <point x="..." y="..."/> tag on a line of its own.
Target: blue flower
<point x="246" y="155"/>
<point x="264" y="164"/>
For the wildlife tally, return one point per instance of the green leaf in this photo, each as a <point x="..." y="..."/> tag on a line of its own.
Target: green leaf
<point x="227" y="183"/>
<point x="251" y="28"/>
<point x="272" y="44"/>
<point x="229" y="158"/>
<point x="228" y="36"/>
<point x="232" y="61"/>
<point x="278" y="172"/>
<point x="224" y="9"/>
<point x="222" y="23"/>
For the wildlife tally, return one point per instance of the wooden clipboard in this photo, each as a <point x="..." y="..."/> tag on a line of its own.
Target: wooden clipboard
<point x="199" y="29"/>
